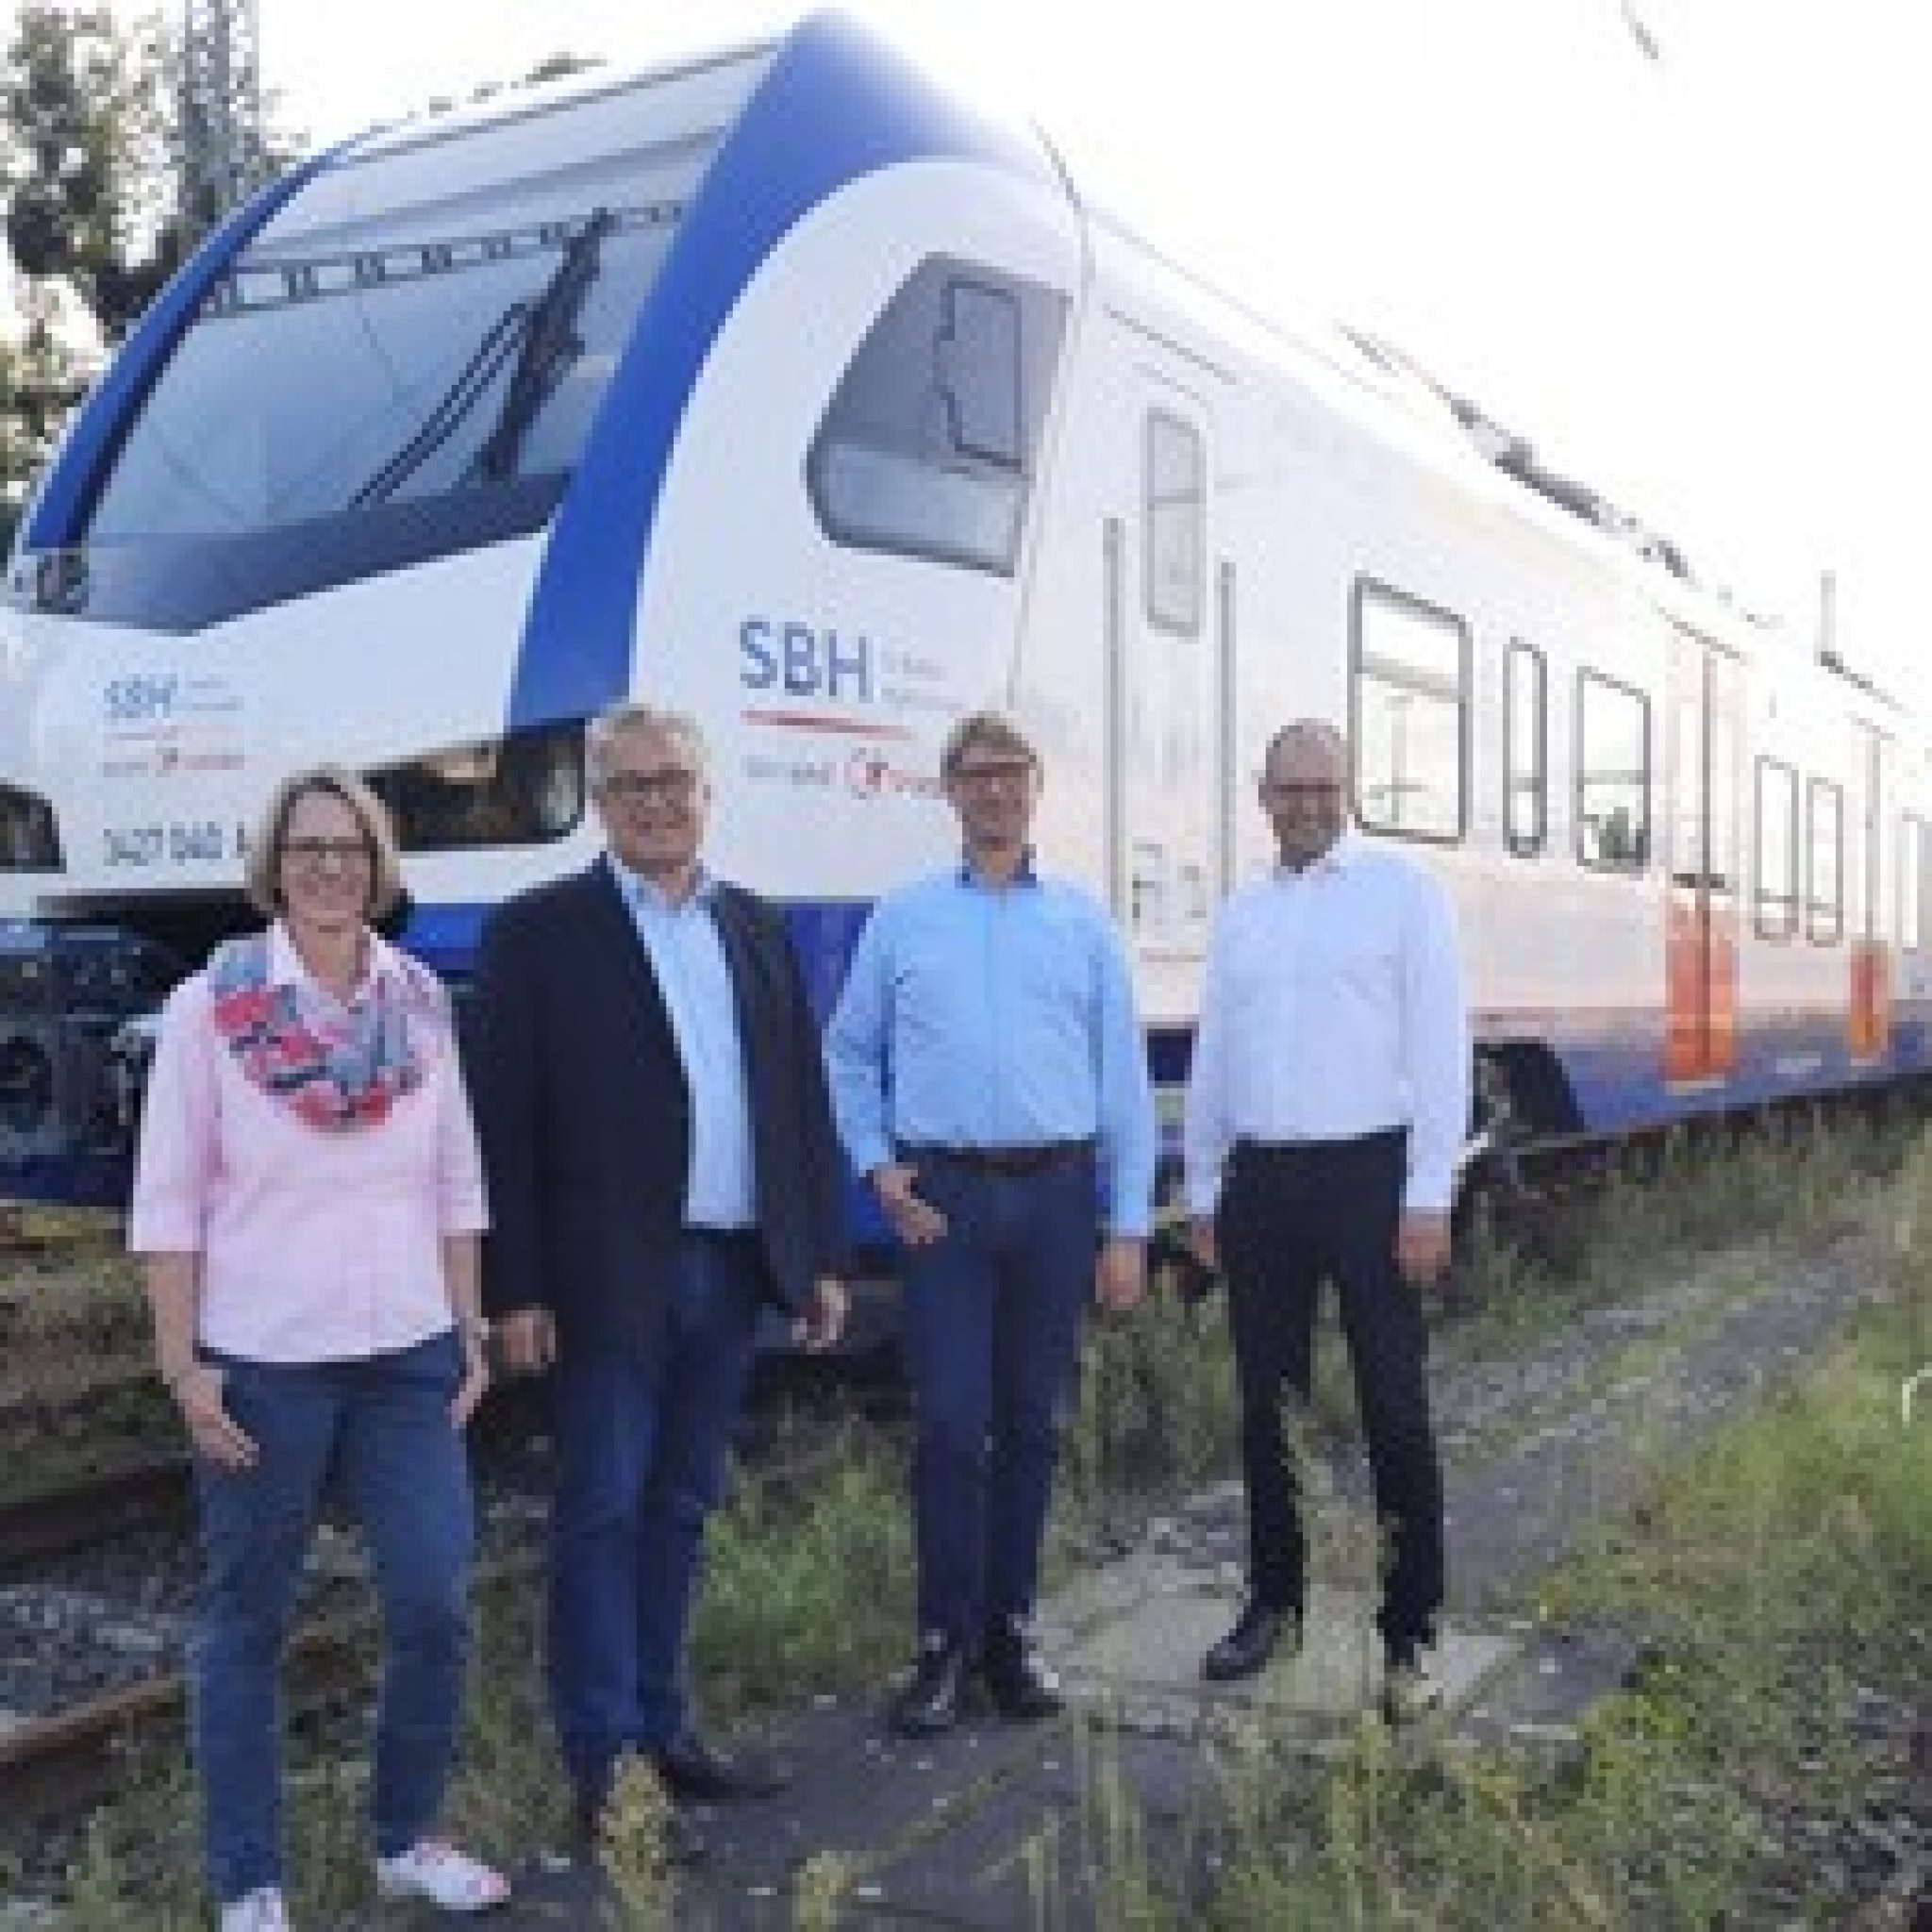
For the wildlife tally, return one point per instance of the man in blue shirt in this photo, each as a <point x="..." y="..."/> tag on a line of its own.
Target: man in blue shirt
<point x="991" y="1083"/>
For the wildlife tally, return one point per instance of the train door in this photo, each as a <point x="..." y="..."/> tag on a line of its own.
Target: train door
<point x="1170" y="622"/>
<point x="1700" y="778"/>
<point x="1868" y="1030"/>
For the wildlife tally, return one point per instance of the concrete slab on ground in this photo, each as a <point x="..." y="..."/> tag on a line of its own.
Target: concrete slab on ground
<point x="1140" y="1667"/>
<point x="977" y="1829"/>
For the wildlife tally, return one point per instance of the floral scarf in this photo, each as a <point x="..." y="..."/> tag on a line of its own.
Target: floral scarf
<point x="336" y="1067"/>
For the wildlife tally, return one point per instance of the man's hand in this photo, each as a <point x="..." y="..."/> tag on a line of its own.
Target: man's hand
<point x="916" y="1222"/>
<point x="1422" y="1245"/>
<point x="824" y="1322"/>
<point x="529" y="1340"/>
<point x="1202" y="1244"/>
<point x="1119" y="1276"/>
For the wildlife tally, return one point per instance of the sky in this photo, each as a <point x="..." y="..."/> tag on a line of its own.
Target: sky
<point x="1671" y="241"/>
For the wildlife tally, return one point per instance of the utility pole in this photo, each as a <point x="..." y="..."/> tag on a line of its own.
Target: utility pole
<point x="221" y="159"/>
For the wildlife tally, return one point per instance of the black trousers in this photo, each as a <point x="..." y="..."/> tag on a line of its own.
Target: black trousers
<point x="1289" y="1218"/>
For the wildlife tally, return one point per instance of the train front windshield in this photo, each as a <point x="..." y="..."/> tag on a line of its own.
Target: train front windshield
<point x="361" y="393"/>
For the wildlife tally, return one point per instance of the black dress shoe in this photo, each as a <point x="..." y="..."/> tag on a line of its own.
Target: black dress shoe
<point x="1248" y="1646"/>
<point x="1020" y="1682"/>
<point x="695" y="1774"/>
<point x="930" y="1702"/>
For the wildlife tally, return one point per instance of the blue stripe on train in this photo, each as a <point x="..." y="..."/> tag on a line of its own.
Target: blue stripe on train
<point x="834" y="106"/>
<point x="1615" y="1075"/>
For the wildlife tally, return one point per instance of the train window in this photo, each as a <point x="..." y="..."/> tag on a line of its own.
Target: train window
<point x="1175" y="536"/>
<point x="1409" y="697"/>
<point x="1612" y="775"/>
<point x="1777" y="850"/>
<point x="1824" y="810"/>
<point x="1525" y="750"/>
<point x="1911" y="883"/>
<point x="398" y="364"/>
<point x="928" y="447"/>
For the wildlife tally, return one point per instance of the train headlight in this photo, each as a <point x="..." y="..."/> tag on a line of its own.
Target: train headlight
<point x="525" y="788"/>
<point x="29" y="840"/>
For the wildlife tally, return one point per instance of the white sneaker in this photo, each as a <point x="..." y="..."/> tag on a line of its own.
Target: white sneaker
<point x="262" y="1910"/>
<point x="449" y="1879"/>
<point x="1411" y="1690"/>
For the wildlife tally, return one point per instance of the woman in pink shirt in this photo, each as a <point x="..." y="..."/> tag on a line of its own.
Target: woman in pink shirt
<point x="308" y="1202"/>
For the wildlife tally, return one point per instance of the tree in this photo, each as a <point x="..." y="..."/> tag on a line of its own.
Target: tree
<point x="39" y="382"/>
<point x="84" y="157"/>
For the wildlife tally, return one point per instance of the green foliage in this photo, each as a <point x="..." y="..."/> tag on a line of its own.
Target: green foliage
<point x="38" y="385"/>
<point x="1156" y="1411"/>
<point x="631" y="1848"/>
<point x="83" y="154"/>
<point x="806" y="1592"/>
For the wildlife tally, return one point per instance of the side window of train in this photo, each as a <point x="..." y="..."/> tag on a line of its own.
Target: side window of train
<point x="1525" y="750"/>
<point x="1911" y="883"/>
<point x="1612" y="775"/>
<point x="929" y="445"/>
<point x="1175" y="541"/>
<point x="1777" y="850"/>
<point x="1408" y="697"/>
<point x="1824" y="812"/>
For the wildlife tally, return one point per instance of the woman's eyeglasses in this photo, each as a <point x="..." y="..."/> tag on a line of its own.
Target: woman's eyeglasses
<point x="343" y="852"/>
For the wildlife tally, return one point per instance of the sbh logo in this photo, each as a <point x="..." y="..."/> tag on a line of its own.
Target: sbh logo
<point x="803" y="662"/>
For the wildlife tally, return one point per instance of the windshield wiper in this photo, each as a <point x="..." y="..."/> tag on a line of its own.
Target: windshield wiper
<point x="551" y="344"/>
<point x="540" y="333"/>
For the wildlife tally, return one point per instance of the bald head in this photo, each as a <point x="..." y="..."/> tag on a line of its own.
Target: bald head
<point x="1311" y="740"/>
<point x="1304" y="788"/>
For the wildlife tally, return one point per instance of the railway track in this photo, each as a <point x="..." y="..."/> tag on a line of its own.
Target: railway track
<point x="57" y="1764"/>
<point x="93" y="1511"/>
<point x="31" y="1229"/>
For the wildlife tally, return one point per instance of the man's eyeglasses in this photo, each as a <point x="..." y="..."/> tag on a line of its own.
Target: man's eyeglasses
<point x="1300" y="794"/>
<point x="343" y="852"/>
<point x="674" y="784"/>
<point x="982" y="777"/>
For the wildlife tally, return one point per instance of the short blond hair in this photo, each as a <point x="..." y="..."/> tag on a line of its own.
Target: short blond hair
<point x="989" y="731"/>
<point x="262" y="877"/>
<point x="642" y="721"/>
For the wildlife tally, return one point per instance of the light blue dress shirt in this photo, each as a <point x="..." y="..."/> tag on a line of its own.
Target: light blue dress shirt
<point x="995" y="1016"/>
<point x="688" y="956"/>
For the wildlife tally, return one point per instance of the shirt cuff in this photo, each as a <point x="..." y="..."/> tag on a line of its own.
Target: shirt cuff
<point x="1428" y="1192"/>
<point x="462" y="1204"/>
<point x="164" y="1227"/>
<point x="1202" y="1197"/>
<point x="870" y="1156"/>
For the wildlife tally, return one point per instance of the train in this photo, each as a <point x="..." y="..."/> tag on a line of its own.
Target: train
<point x="782" y="387"/>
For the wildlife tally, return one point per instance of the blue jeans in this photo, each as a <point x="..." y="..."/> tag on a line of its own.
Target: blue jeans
<point x="641" y="1442"/>
<point x="992" y="1329"/>
<point x="380" y="1426"/>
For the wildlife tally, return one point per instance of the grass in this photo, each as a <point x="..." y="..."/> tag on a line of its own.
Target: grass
<point x="1780" y="1582"/>
<point x="1791" y="1561"/>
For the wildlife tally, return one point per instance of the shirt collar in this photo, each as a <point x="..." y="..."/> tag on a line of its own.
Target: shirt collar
<point x="285" y="967"/>
<point x="1027" y="875"/>
<point x="1340" y="857"/>
<point x="639" y="891"/>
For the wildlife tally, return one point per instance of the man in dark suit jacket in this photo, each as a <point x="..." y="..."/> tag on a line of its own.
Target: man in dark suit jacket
<point x="661" y="1162"/>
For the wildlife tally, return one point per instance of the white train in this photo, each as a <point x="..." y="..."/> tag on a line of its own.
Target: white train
<point x="779" y="387"/>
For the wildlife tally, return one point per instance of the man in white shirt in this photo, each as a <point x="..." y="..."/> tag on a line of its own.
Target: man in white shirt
<point x="1326" y="1105"/>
